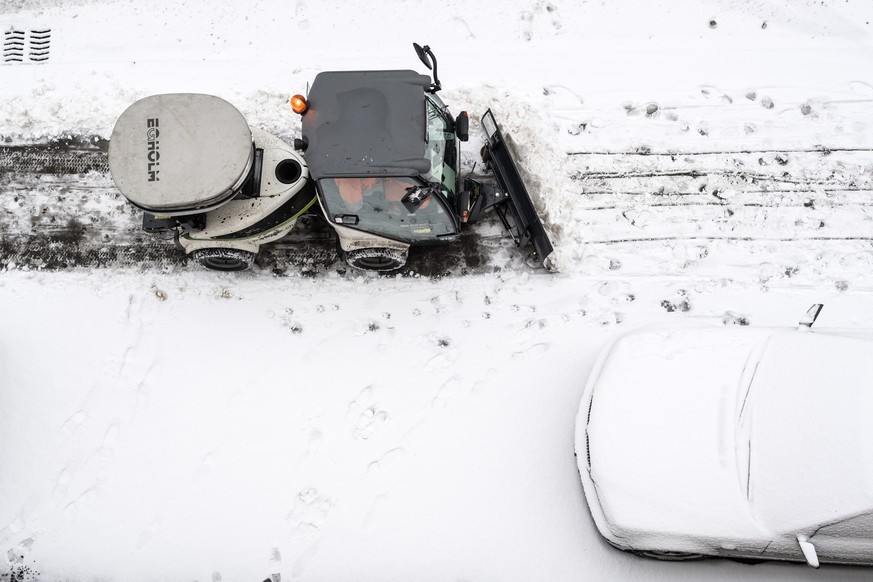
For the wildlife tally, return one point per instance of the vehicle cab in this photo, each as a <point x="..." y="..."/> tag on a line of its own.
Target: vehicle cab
<point x="384" y="157"/>
<point x="383" y="151"/>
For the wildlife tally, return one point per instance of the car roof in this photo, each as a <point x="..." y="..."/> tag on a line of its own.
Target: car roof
<point x="811" y="434"/>
<point x="363" y="123"/>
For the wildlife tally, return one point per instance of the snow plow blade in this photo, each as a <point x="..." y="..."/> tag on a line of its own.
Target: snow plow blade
<point x="525" y="225"/>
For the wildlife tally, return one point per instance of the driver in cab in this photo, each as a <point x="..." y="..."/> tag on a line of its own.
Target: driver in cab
<point x="355" y="190"/>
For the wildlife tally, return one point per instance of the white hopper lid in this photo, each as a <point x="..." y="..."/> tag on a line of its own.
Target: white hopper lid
<point x="180" y="152"/>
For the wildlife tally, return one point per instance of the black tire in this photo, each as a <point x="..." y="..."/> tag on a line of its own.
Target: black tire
<point x="219" y="259"/>
<point x="748" y="561"/>
<point x="669" y="556"/>
<point x="376" y="259"/>
<point x="340" y="252"/>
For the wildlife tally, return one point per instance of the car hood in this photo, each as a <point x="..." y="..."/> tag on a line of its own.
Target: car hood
<point x="661" y="434"/>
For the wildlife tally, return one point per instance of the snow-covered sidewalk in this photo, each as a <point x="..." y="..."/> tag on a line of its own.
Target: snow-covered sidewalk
<point x="172" y="426"/>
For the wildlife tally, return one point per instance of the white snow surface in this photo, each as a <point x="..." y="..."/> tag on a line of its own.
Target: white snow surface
<point x="181" y="425"/>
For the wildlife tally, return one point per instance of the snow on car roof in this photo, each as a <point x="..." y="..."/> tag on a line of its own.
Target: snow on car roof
<point x="811" y="434"/>
<point x="366" y="122"/>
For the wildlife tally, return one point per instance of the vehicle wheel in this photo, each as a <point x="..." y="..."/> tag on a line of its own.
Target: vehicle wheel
<point x="669" y="556"/>
<point x="377" y="259"/>
<point x="224" y="259"/>
<point x="749" y="561"/>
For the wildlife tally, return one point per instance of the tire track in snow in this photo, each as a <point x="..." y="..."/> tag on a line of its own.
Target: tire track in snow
<point x="748" y="176"/>
<point x="655" y="204"/>
<point x="823" y="150"/>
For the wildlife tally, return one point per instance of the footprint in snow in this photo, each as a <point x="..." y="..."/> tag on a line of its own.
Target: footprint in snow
<point x="612" y="289"/>
<point x="72" y="423"/>
<point x="84" y="500"/>
<point x="110" y="437"/>
<point x="446" y="391"/>
<point x="313" y="446"/>
<point x="527" y="26"/>
<point x="300" y="15"/>
<point x="613" y="318"/>
<point x="368" y="422"/>
<point x="486" y="381"/>
<point x="17" y="553"/>
<point x="390" y="460"/>
<point x="62" y="483"/>
<point x="531" y="352"/>
<point x="362" y="400"/>
<point x="309" y="511"/>
<point x="444" y="360"/>
<point x="556" y="19"/>
<point x="369" y="416"/>
<point x="463" y="24"/>
<point x="623" y="298"/>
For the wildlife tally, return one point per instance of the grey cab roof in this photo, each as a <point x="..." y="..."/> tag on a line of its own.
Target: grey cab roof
<point x="363" y="123"/>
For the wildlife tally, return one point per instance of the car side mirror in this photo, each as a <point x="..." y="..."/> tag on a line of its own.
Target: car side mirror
<point x="808" y="550"/>
<point x="415" y="196"/>
<point x="809" y="318"/>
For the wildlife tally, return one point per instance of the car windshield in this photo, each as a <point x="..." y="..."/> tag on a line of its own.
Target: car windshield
<point x="440" y="151"/>
<point x="375" y="204"/>
<point x="811" y="442"/>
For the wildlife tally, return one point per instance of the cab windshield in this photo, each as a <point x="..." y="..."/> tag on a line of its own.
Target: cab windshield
<point x="375" y="204"/>
<point x="441" y="151"/>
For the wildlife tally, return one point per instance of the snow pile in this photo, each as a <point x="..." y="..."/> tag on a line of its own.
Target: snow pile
<point x="543" y="165"/>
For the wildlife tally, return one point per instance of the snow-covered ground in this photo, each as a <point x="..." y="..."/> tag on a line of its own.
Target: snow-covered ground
<point x="162" y="423"/>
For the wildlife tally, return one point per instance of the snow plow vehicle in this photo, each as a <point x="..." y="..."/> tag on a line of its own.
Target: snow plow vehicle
<point x="379" y="156"/>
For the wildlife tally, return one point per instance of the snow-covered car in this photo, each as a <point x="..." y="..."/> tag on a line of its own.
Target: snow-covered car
<point x="741" y="442"/>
